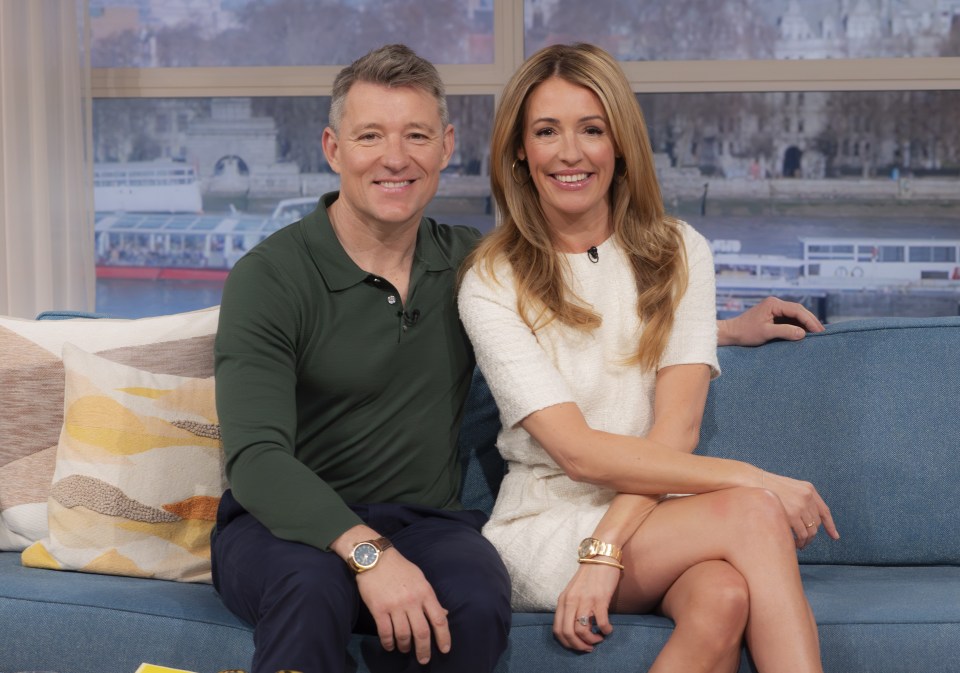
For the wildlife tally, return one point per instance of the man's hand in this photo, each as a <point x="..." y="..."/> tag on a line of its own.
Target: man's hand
<point x="404" y="606"/>
<point x="771" y="319"/>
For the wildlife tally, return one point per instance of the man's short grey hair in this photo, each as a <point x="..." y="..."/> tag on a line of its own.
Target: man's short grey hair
<point x="392" y="65"/>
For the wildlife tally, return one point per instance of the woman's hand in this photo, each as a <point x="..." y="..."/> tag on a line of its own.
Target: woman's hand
<point x="806" y="510"/>
<point x="585" y="602"/>
<point x="771" y="319"/>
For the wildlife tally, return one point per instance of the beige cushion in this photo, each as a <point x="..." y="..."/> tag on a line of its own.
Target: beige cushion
<point x="31" y="395"/>
<point x="139" y="473"/>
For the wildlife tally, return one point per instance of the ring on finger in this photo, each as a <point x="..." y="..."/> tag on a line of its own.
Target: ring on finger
<point x="583" y="620"/>
<point x="811" y="524"/>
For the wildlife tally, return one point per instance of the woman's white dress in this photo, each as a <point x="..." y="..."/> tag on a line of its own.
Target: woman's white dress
<point x="541" y="515"/>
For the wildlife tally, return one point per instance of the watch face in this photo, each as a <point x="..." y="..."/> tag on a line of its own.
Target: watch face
<point x="587" y="548"/>
<point x="365" y="555"/>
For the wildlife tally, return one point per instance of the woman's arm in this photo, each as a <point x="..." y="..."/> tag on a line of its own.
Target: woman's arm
<point x="629" y="464"/>
<point x="679" y="400"/>
<point x="641" y="465"/>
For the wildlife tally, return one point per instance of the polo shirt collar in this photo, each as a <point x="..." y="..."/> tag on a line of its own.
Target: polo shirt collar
<point x="335" y="265"/>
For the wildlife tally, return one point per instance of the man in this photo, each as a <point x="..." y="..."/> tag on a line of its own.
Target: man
<point x="342" y="372"/>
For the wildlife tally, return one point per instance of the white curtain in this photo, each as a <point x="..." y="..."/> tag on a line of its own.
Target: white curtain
<point x="46" y="183"/>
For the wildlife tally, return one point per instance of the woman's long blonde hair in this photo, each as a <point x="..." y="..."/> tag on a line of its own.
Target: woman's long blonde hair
<point x="651" y="240"/>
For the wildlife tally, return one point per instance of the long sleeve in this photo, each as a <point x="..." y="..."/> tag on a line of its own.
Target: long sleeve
<point x="256" y="379"/>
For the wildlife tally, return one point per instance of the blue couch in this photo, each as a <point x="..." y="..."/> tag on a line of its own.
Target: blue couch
<point x="868" y="411"/>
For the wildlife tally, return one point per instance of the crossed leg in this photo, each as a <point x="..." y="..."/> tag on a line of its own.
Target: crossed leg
<point x="709" y="604"/>
<point x="703" y="557"/>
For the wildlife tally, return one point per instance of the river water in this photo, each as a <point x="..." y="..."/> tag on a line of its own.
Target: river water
<point x="758" y="234"/>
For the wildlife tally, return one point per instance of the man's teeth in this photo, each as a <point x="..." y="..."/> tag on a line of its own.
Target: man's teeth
<point x="579" y="177"/>
<point x="394" y="185"/>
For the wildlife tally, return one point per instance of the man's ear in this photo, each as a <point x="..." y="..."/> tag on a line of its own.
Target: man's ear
<point x="331" y="148"/>
<point x="449" y="141"/>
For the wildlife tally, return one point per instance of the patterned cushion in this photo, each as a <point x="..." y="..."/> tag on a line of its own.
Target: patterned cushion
<point x="31" y="395"/>
<point x="139" y="473"/>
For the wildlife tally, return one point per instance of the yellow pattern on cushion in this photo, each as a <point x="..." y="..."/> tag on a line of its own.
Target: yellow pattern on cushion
<point x="104" y="422"/>
<point x="193" y="535"/>
<point x="114" y="563"/>
<point x="37" y="556"/>
<point x="152" y="393"/>
<point x="138" y="476"/>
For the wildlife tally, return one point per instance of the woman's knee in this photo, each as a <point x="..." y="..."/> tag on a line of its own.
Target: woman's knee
<point x="756" y="511"/>
<point x="718" y="611"/>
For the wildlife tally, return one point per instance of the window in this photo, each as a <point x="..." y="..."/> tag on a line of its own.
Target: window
<point x="730" y="159"/>
<point x="670" y="30"/>
<point x="943" y="254"/>
<point x="891" y="253"/>
<point x="208" y="33"/>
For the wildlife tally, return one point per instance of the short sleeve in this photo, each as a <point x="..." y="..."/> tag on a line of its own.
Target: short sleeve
<point x="694" y="336"/>
<point x="518" y="370"/>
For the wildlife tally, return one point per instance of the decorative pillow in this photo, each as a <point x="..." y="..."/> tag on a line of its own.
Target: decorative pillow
<point x="139" y="474"/>
<point x="31" y="395"/>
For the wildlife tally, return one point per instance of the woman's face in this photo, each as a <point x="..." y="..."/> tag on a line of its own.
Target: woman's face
<point x="569" y="150"/>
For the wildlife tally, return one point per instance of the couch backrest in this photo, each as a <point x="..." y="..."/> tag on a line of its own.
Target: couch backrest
<point x="483" y="467"/>
<point x="869" y="412"/>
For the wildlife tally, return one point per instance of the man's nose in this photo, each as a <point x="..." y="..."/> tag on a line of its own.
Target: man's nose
<point x="395" y="153"/>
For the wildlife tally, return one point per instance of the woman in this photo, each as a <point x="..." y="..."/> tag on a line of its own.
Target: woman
<point x="593" y="318"/>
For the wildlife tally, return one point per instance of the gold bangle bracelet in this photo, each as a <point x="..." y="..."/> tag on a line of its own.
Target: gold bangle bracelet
<point x="600" y="562"/>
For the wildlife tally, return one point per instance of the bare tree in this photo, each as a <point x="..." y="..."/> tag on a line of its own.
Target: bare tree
<point x="472" y="116"/>
<point x="300" y="123"/>
<point x="666" y="29"/>
<point x="951" y="44"/>
<point x="307" y="32"/>
<point x="120" y="50"/>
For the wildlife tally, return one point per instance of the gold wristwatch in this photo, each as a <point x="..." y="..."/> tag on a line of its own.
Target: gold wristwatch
<point x="367" y="554"/>
<point x="592" y="547"/>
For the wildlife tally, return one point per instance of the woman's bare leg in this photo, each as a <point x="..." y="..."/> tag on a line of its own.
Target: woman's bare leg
<point x="747" y="528"/>
<point x="709" y="603"/>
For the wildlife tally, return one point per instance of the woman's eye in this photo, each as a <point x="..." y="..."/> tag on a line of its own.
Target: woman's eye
<point x="543" y="132"/>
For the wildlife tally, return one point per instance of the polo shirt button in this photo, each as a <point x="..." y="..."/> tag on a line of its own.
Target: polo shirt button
<point x="376" y="280"/>
<point x="391" y="300"/>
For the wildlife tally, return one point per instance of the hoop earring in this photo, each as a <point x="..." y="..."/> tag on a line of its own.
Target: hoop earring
<point x="620" y="170"/>
<point x="513" y="172"/>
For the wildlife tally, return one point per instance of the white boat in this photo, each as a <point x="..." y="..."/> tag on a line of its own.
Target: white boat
<point x="146" y="187"/>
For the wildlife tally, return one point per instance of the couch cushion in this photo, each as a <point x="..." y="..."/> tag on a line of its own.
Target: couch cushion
<point x="483" y="467"/>
<point x="82" y="623"/>
<point x="31" y="395"/>
<point x="867" y="412"/>
<point x="886" y="619"/>
<point x="871" y="619"/>
<point x="139" y="473"/>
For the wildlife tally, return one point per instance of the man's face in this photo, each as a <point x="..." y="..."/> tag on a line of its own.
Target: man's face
<point x="389" y="153"/>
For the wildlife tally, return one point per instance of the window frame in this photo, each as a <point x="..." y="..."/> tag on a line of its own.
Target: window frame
<point x="878" y="74"/>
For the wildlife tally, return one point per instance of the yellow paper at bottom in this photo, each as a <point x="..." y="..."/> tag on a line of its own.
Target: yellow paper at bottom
<point x="153" y="668"/>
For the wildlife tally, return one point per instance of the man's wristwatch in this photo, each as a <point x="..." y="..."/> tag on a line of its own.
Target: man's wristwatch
<point x="592" y="547"/>
<point x="367" y="554"/>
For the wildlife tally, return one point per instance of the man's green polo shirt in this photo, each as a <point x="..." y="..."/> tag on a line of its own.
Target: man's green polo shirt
<point x="327" y="393"/>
